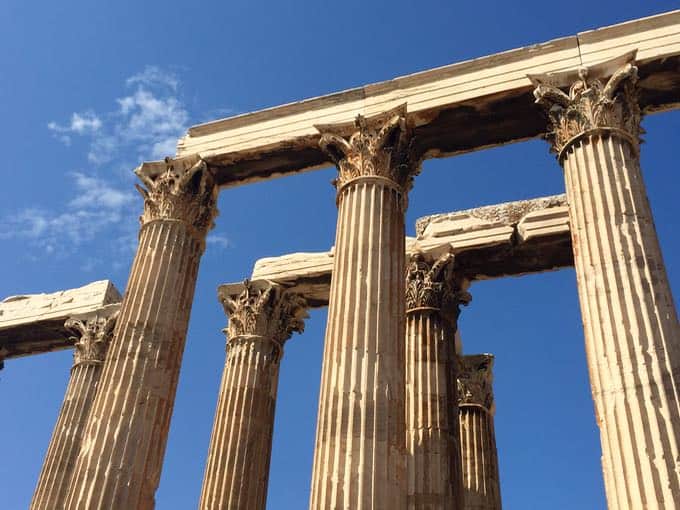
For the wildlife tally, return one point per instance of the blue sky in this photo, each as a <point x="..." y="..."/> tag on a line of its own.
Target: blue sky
<point x="89" y="89"/>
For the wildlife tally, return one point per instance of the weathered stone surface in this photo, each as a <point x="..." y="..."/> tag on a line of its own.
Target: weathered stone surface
<point x="34" y="323"/>
<point x="481" y="485"/>
<point x="433" y="297"/>
<point x="507" y="214"/>
<point x="92" y="334"/>
<point x="490" y="96"/>
<point x="489" y="242"/>
<point x="119" y="464"/>
<point x="359" y="460"/>
<point x="629" y="316"/>
<point x="261" y="318"/>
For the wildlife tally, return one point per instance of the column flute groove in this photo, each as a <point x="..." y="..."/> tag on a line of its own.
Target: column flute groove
<point x="261" y="318"/>
<point x="481" y="483"/>
<point x="92" y="336"/>
<point x="359" y="459"/>
<point x="120" y="460"/>
<point x="629" y="316"/>
<point x="433" y="298"/>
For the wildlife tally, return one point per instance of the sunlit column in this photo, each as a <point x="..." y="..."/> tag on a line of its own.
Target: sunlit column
<point x="629" y="317"/>
<point x="433" y="297"/>
<point x="261" y="318"/>
<point x="481" y="486"/>
<point x="360" y="459"/>
<point x="92" y="334"/>
<point x="119" y="464"/>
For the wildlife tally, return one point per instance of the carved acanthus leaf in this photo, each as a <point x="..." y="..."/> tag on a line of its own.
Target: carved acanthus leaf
<point x="92" y="336"/>
<point x="266" y="311"/>
<point x="475" y="380"/>
<point x="184" y="191"/>
<point x="381" y="146"/>
<point x="435" y="285"/>
<point x="591" y="104"/>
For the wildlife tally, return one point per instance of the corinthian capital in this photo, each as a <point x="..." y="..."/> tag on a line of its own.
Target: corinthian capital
<point x="264" y="310"/>
<point x="92" y="335"/>
<point x="591" y="103"/>
<point x="181" y="189"/>
<point x="380" y="146"/>
<point x="475" y="379"/>
<point x="435" y="285"/>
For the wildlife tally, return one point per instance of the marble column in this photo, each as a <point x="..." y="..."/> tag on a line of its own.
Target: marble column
<point x="481" y="486"/>
<point x="261" y="318"/>
<point x="119" y="464"/>
<point x="91" y="341"/>
<point x="433" y="297"/>
<point x="629" y="317"/>
<point x="360" y="461"/>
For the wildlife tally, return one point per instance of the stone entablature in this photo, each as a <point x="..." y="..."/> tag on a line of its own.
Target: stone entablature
<point x="34" y="323"/>
<point x="454" y="109"/>
<point x="500" y="240"/>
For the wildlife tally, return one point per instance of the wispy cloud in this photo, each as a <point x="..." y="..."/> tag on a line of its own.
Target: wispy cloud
<point x="81" y="124"/>
<point x="218" y="240"/>
<point x="98" y="221"/>
<point x="144" y="124"/>
<point x="153" y="75"/>
<point x="96" y="193"/>
<point x="97" y="206"/>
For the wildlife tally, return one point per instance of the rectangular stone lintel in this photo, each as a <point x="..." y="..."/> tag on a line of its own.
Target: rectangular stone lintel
<point x="509" y="239"/>
<point x="491" y="96"/>
<point x="34" y="323"/>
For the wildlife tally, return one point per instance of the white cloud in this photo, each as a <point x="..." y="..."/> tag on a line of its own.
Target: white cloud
<point x="147" y="122"/>
<point x="96" y="193"/>
<point x="151" y="122"/>
<point x="81" y="124"/>
<point x="153" y="76"/>
<point x="97" y="207"/>
<point x="218" y="241"/>
<point x="97" y="225"/>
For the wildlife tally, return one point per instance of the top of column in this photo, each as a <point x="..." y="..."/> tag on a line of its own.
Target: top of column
<point x="92" y="334"/>
<point x="381" y="146"/>
<point x="184" y="190"/>
<point x="475" y="379"/>
<point x="434" y="285"/>
<point x="593" y="103"/>
<point x="264" y="309"/>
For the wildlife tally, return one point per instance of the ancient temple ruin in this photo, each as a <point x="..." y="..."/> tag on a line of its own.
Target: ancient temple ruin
<point x="387" y="438"/>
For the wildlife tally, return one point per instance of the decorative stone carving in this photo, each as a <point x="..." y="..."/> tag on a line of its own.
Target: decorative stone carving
<point x="591" y="104"/>
<point x="475" y="381"/>
<point x="380" y="146"/>
<point x="92" y="339"/>
<point x="185" y="191"/>
<point x="434" y="285"/>
<point x="265" y="311"/>
<point x="507" y="213"/>
<point x="262" y="316"/>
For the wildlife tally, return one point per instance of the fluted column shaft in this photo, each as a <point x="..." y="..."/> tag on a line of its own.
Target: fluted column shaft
<point x="93" y="336"/>
<point x="481" y="485"/>
<point x="359" y="460"/>
<point x="433" y="455"/>
<point x="237" y="470"/>
<point x="629" y="316"/>
<point x="119" y="464"/>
